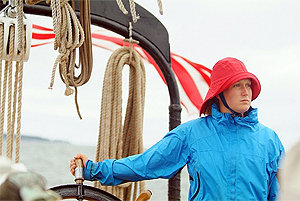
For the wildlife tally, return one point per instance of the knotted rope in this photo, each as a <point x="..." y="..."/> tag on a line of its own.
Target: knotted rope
<point x="12" y="94"/>
<point x="69" y="35"/>
<point x="67" y="39"/>
<point x="115" y="141"/>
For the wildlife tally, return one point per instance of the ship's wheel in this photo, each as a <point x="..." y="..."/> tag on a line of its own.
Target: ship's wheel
<point x="83" y="192"/>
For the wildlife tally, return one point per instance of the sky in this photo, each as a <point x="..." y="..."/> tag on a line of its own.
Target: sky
<point x="265" y="35"/>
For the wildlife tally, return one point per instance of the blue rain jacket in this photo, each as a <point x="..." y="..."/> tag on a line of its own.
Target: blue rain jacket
<point x="227" y="159"/>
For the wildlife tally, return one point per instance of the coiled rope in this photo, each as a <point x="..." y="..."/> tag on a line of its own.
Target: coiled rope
<point x="12" y="94"/>
<point x="113" y="140"/>
<point x="67" y="39"/>
<point x="69" y="35"/>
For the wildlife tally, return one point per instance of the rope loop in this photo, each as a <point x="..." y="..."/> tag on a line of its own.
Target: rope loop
<point x="117" y="139"/>
<point x="72" y="33"/>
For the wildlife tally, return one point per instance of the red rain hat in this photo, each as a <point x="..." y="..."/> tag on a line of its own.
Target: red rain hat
<point x="226" y="72"/>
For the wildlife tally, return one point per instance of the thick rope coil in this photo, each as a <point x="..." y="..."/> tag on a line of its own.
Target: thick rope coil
<point x="113" y="140"/>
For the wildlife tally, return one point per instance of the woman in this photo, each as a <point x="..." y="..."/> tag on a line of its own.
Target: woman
<point x="228" y="153"/>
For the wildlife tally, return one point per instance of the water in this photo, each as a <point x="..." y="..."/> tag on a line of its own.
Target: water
<point x="51" y="160"/>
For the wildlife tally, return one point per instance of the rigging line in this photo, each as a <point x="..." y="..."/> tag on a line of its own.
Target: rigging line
<point x="132" y="8"/>
<point x="1" y="111"/>
<point x="10" y="134"/>
<point x="19" y="76"/>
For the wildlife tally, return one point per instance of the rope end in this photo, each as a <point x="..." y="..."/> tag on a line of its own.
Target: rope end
<point x="69" y="91"/>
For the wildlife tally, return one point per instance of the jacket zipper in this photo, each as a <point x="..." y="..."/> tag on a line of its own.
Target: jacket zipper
<point x="198" y="188"/>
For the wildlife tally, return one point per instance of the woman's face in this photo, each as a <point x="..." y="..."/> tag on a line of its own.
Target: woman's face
<point x="238" y="97"/>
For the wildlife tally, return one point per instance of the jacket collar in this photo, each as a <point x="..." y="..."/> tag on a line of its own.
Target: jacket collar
<point x="250" y="119"/>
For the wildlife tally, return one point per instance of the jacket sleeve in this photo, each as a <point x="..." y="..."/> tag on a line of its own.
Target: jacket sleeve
<point x="274" y="165"/>
<point x="163" y="160"/>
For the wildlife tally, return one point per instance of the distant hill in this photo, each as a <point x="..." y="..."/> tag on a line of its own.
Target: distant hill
<point x="35" y="138"/>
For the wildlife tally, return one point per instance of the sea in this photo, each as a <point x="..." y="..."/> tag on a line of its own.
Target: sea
<point x="51" y="160"/>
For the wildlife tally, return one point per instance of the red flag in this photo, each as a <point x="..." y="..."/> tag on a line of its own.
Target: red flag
<point x="193" y="79"/>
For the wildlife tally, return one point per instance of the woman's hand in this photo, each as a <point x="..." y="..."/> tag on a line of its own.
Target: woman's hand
<point x="84" y="158"/>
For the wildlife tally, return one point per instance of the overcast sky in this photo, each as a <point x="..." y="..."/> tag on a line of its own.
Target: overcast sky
<point x="265" y="35"/>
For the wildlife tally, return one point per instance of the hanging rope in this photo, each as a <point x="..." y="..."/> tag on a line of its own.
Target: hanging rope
<point x="132" y="8"/>
<point x="85" y="52"/>
<point x="2" y="108"/>
<point x="8" y="66"/>
<point x="69" y="35"/>
<point x="12" y="94"/>
<point x="159" y="2"/>
<point x="19" y="75"/>
<point x="67" y="39"/>
<point x="115" y="141"/>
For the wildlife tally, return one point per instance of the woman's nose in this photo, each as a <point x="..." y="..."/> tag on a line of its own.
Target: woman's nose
<point x="245" y="90"/>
